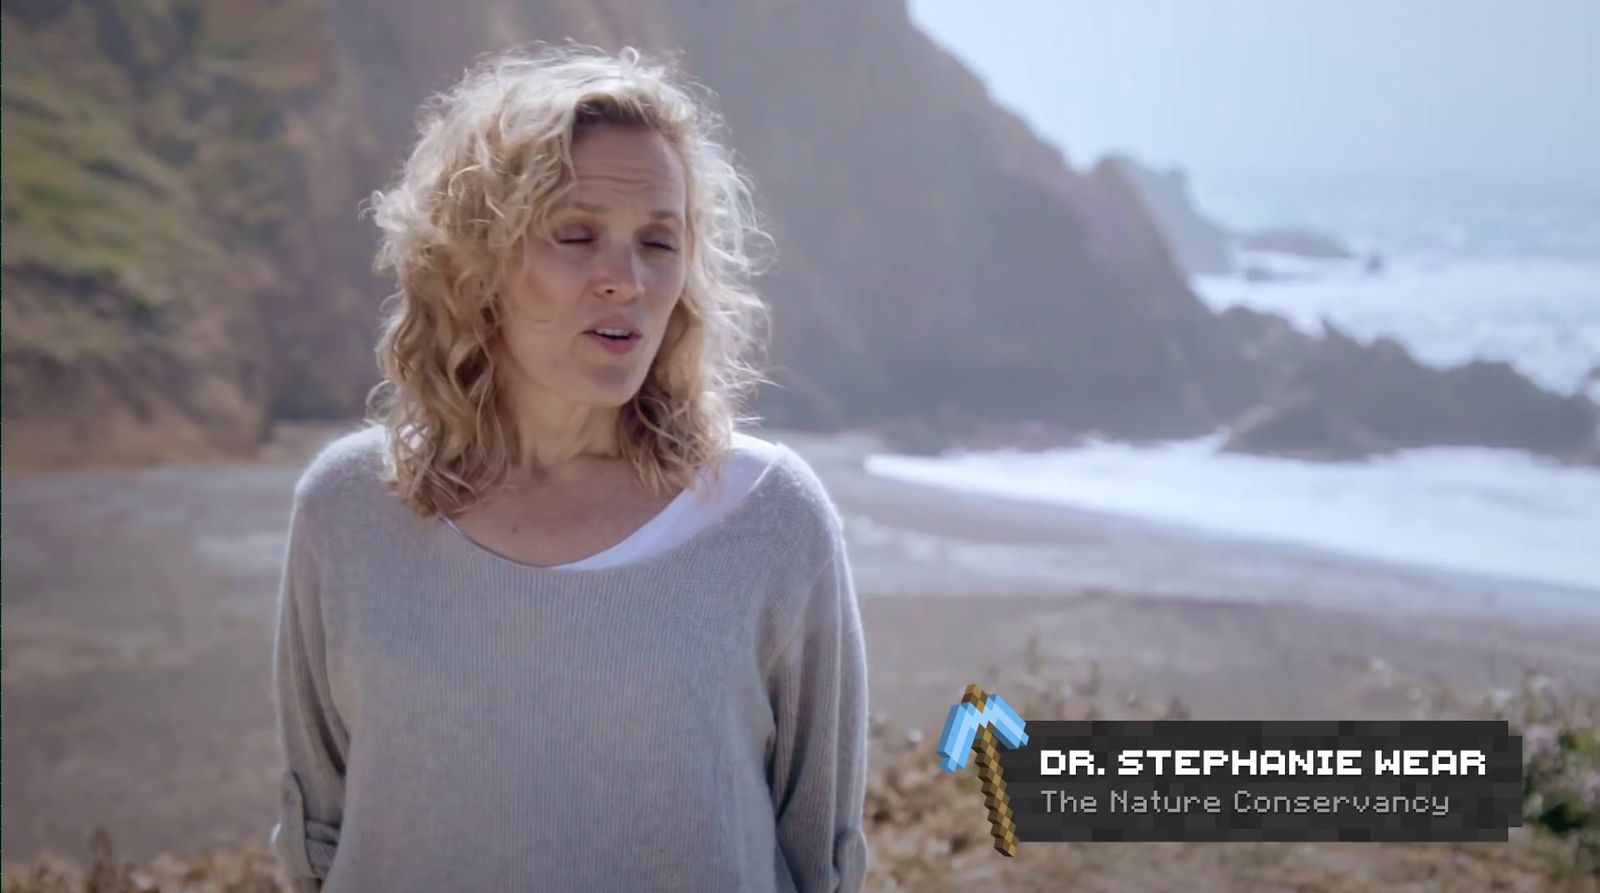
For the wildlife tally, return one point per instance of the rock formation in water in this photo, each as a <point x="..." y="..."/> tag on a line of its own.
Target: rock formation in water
<point x="1299" y="242"/>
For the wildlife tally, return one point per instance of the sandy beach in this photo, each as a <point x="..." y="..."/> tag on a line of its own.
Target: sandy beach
<point x="139" y="608"/>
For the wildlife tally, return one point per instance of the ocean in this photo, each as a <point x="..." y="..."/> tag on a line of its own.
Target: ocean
<point x="1469" y="268"/>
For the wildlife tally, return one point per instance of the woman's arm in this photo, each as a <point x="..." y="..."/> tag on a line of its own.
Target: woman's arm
<point x="311" y="795"/>
<point x="818" y="685"/>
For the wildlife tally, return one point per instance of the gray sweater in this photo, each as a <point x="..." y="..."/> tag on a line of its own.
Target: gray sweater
<point x="453" y="720"/>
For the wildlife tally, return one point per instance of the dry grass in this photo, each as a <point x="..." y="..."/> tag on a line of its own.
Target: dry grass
<point x="245" y="870"/>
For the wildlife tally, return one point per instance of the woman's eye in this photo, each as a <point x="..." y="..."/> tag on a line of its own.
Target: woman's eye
<point x="582" y="237"/>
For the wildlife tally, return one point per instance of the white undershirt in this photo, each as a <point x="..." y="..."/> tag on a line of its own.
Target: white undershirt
<point x="692" y="511"/>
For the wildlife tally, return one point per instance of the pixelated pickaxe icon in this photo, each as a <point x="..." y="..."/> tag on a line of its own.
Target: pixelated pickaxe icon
<point x="975" y="722"/>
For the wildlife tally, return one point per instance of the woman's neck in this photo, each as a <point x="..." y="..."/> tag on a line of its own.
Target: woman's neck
<point x="557" y="438"/>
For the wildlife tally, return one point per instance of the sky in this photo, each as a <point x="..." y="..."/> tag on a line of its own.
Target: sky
<point x="1230" y="87"/>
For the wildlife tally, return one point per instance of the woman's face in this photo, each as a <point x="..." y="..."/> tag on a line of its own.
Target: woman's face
<point x="585" y="311"/>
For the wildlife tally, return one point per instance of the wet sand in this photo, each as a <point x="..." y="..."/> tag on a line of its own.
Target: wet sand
<point x="139" y="607"/>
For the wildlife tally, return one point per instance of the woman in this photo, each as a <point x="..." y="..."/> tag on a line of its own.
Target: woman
<point x="550" y="622"/>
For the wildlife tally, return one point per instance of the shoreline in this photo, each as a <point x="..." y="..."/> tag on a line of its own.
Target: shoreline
<point x="1215" y="564"/>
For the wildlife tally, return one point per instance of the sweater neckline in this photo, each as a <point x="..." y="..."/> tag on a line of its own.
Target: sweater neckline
<point x="463" y="543"/>
<point x="665" y="516"/>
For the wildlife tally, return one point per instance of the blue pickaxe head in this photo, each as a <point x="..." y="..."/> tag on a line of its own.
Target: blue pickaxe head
<point x="962" y="726"/>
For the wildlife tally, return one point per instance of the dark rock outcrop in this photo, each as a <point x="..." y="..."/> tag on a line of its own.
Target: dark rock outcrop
<point x="1334" y="398"/>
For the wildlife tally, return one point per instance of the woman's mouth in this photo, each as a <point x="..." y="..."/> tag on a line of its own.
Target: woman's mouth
<point x="617" y="341"/>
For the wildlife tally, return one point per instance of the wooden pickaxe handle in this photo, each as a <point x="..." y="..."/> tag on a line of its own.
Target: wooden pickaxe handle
<point x="1002" y="822"/>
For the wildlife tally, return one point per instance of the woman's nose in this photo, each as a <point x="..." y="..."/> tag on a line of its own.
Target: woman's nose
<point x="619" y="275"/>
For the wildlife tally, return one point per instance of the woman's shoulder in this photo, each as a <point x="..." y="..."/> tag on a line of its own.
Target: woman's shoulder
<point x="346" y="470"/>
<point x="750" y="456"/>
<point x="788" y="482"/>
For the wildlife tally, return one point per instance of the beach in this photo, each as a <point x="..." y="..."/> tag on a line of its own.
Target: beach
<point x="140" y="603"/>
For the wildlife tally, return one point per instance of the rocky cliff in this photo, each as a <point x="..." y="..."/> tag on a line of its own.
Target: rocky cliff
<point x="185" y="262"/>
<point x="181" y="261"/>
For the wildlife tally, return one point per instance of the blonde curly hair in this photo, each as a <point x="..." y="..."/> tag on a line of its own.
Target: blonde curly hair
<point x="493" y="158"/>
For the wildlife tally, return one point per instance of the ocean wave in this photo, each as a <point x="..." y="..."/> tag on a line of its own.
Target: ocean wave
<point x="1502" y="513"/>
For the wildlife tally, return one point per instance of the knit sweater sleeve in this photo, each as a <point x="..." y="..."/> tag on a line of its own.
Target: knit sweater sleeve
<point x="817" y="681"/>
<point x="312" y="736"/>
